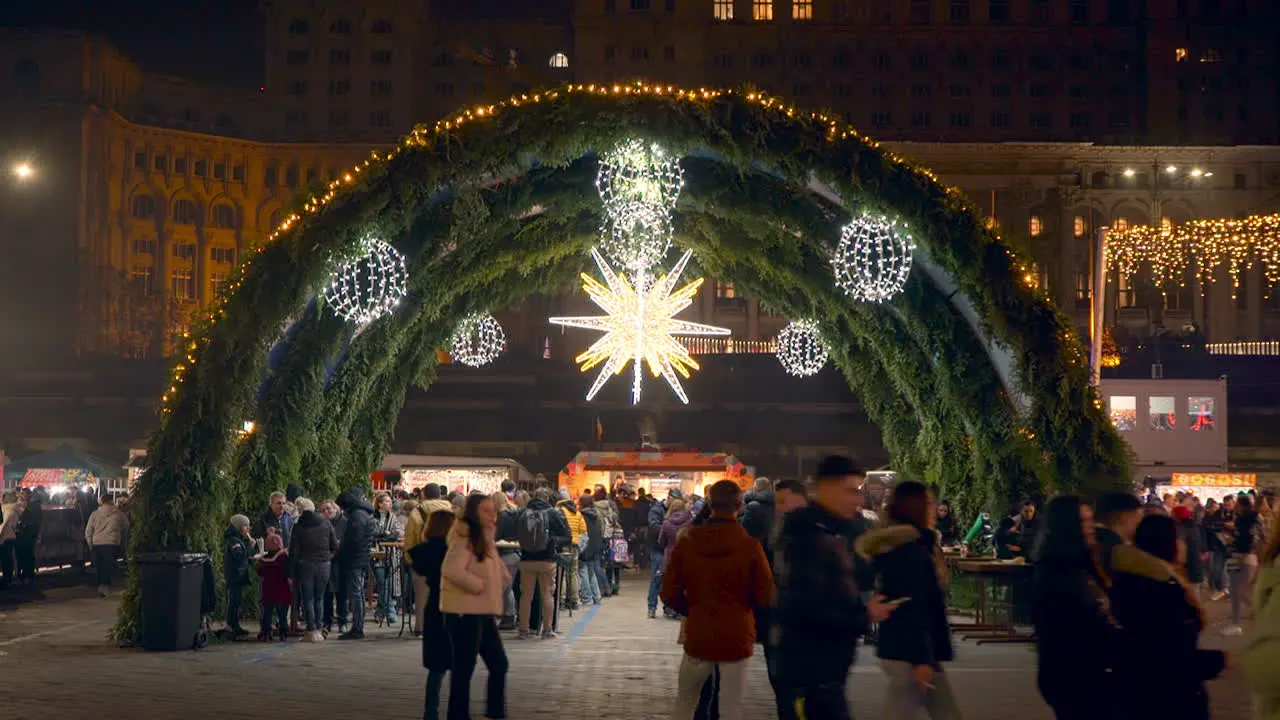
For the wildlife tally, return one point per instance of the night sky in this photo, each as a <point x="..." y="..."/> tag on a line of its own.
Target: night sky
<point x="210" y="40"/>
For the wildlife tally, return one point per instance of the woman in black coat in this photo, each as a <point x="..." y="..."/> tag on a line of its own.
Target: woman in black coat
<point x="437" y="652"/>
<point x="1077" y="639"/>
<point x="1162" y="622"/>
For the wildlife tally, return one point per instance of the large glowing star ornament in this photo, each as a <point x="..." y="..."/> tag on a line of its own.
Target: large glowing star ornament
<point x="640" y="327"/>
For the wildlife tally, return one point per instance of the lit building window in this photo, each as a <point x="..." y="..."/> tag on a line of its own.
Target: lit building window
<point x="1077" y="226"/>
<point x="1166" y="226"/>
<point x="801" y="9"/>
<point x="723" y="9"/>
<point x="762" y="9"/>
<point x="183" y="284"/>
<point x="1160" y="414"/>
<point x="217" y="281"/>
<point x="1126" y="293"/>
<point x="1120" y="224"/>
<point x="1124" y="412"/>
<point x="1179" y="54"/>
<point x="725" y="290"/>
<point x="1035" y="226"/>
<point x="1200" y="412"/>
<point x="559" y="60"/>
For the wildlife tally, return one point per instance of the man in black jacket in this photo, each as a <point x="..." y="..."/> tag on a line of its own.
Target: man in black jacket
<point x="1117" y="515"/>
<point x="818" y="613"/>
<point x="353" y="555"/>
<point x="757" y="511"/>
<point x="335" y="596"/>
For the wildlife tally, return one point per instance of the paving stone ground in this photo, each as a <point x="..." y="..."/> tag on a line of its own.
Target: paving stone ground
<point x="611" y="663"/>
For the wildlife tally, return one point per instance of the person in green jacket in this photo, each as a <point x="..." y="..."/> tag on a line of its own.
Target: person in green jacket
<point x="1261" y="658"/>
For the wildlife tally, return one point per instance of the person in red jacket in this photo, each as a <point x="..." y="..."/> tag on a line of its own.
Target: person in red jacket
<point x="717" y="577"/>
<point x="273" y="568"/>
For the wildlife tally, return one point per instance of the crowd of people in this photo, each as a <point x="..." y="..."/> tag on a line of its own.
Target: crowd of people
<point x="98" y="526"/>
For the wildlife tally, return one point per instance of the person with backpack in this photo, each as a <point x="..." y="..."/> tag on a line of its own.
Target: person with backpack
<point x="539" y="529"/>
<point x="656" y="515"/>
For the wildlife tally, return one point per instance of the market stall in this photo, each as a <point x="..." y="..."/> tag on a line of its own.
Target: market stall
<point x="460" y="474"/>
<point x="657" y="471"/>
<point x="1206" y="485"/>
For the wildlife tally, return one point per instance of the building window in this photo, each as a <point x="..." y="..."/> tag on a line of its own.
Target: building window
<point x="144" y="246"/>
<point x="801" y="9"/>
<point x="161" y="163"/>
<point x="380" y="118"/>
<point x="271" y="176"/>
<point x="1126" y="293"/>
<point x="297" y="57"/>
<point x="1124" y="412"/>
<point x="291" y="177"/>
<point x="1078" y="226"/>
<point x="224" y="217"/>
<point x="960" y="12"/>
<point x="223" y="255"/>
<point x="881" y="119"/>
<point x="1079" y="12"/>
<point x="919" y="61"/>
<point x="1200" y="412"/>
<point x="339" y="87"/>
<point x="1166" y="225"/>
<point x="640" y="5"/>
<point x="339" y="56"/>
<point x="669" y="53"/>
<point x="762" y="9"/>
<point x="960" y="120"/>
<point x="339" y="118"/>
<point x="1039" y="120"/>
<point x="639" y="52"/>
<point x="184" y="212"/>
<point x="919" y="12"/>
<point x="442" y="59"/>
<point x="217" y="281"/>
<point x="443" y="89"/>
<point x="140" y="160"/>
<point x="380" y="57"/>
<point x="921" y="119"/>
<point x="183" y="284"/>
<point x="958" y="92"/>
<point x="1035" y="226"/>
<point x="609" y="52"/>
<point x="297" y="87"/>
<point x="299" y="27"/>
<point x="184" y="251"/>
<point x="1040" y="11"/>
<point x="920" y="91"/>
<point x="340" y="27"/>
<point x="143" y="207"/>
<point x="1083" y="290"/>
<point x="219" y="171"/>
<point x="144" y="280"/>
<point x="381" y="27"/>
<point x="722" y="9"/>
<point x="1160" y="414"/>
<point x="312" y="175"/>
<point x="180" y="166"/>
<point x="998" y="12"/>
<point x="1120" y="225"/>
<point x="380" y="88"/>
<point x="559" y="60"/>
<point x="1001" y="119"/>
<point x="1039" y="90"/>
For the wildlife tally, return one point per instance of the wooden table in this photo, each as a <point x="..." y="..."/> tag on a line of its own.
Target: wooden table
<point x="997" y="617"/>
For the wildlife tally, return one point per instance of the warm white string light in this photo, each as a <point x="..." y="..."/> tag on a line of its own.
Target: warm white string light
<point x="801" y="348"/>
<point x="365" y="289"/>
<point x="635" y="235"/>
<point x="479" y="340"/>
<point x="873" y="259"/>
<point x="640" y="327"/>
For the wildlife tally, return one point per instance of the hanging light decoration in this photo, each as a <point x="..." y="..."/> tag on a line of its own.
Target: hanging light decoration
<point x="479" y="340"/>
<point x="639" y="185"/>
<point x="873" y="259"/>
<point x="801" y="349"/>
<point x="365" y="289"/>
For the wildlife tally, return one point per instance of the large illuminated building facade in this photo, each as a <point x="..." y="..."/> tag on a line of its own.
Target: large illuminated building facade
<point x="1056" y="117"/>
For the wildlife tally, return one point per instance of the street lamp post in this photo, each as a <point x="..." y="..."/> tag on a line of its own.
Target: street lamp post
<point x="23" y="171"/>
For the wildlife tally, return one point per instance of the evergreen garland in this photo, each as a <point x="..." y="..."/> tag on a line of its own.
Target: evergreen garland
<point x="459" y="201"/>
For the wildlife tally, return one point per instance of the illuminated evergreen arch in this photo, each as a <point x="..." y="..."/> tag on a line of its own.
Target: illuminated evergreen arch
<point x="976" y="381"/>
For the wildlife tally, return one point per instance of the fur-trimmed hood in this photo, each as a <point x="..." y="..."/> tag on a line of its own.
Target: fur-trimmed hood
<point x="874" y="543"/>
<point x="1129" y="559"/>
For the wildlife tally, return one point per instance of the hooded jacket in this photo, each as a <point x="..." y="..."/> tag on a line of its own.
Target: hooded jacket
<point x="415" y="526"/>
<point x="595" y="535"/>
<point x="757" y="515"/>
<point x="671" y="528"/>
<point x="557" y="528"/>
<point x="608" y="512"/>
<point x="573" y="518"/>
<point x="717" y="576"/>
<point x="357" y="540"/>
<point x="906" y="563"/>
<point x="107" y="526"/>
<point x="313" y="540"/>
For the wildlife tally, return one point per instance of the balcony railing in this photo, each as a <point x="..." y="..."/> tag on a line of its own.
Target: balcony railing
<point x="728" y="346"/>
<point x="1247" y="347"/>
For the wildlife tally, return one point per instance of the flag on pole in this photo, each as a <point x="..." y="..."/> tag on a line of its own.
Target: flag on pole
<point x="599" y="430"/>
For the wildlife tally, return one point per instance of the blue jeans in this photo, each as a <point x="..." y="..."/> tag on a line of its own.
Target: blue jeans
<point x="312" y="579"/>
<point x="382" y="576"/>
<point x="589" y="581"/>
<point x="603" y="577"/>
<point x="655" y="577"/>
<point x="356" y="578"/>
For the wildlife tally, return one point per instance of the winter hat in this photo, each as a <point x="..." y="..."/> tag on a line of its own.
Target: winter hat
<point x="675" y="494"/>
<point x="1182" y="512"/>
<point x="564" y="493"/>
<point x="239" y="521"/>
<point x="292" y="492"/>
<point x="272" y="542"/>
<point x="304" y="504"/>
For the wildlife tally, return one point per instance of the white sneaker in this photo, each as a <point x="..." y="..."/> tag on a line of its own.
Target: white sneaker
<point x="1232" y="630"/>
<point x="317" y="636"/>
<point x="1217" y="595"/>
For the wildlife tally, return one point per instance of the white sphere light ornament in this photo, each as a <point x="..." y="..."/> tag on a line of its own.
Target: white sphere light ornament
<point x="369" y="287"/>
<point x="635" y="235"/>
<point x="873" y="259"/>
<point x="479" y="340"/>
<point x="801" y="349"/>
<point x="636" y="171"/>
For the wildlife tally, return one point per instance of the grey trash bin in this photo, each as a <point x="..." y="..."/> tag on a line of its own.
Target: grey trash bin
<point x="172" y="585"/>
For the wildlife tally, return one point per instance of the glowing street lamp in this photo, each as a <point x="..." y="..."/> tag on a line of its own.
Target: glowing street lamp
<point x="1129" y="172"/>
<point x="23" y="171"/>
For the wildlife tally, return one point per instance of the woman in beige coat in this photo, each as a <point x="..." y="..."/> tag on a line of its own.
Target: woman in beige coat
<point x="472" y="579"/>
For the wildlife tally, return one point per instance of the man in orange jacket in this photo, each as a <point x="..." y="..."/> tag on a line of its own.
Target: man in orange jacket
<point x="717" y="577"/>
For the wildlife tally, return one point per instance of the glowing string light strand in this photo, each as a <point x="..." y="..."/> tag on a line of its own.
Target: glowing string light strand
<point x="1202" y="246"/>
<point x="801" y="349"/>
<point x="365" y="289"/>
<point x="639" y="327"/>
<point x="873" y="259"/>
<point x="639" y="185"/>
<point x="479" y="340"/>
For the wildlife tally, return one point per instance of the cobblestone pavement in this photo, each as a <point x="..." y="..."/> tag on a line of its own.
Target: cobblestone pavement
<point x="611" y="663"/>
